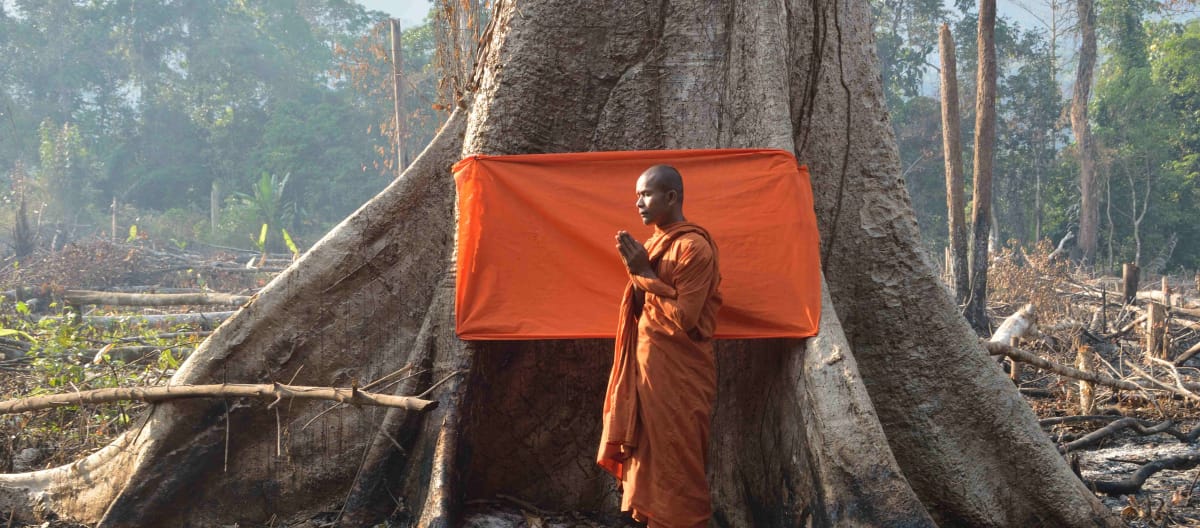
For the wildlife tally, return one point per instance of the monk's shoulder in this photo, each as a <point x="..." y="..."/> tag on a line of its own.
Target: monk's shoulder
<point x="693" y="244"/>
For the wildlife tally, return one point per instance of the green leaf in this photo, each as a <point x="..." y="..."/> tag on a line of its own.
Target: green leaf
<point x="262" y="237"/>
<point x="5" y="332"/>
<point x="132" y="233"/>
<point x="287" y="239"/>
<point x="22" y="308"/>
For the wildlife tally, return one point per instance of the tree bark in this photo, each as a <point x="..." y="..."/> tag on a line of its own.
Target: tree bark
<point x="892" y="416"/>
<point x="985" y="142"/>
<point x="952" y="154"/>
<point x="1129" y="281"/>
<point x="1089" y="204"/>
<point x="1156" y="330"/>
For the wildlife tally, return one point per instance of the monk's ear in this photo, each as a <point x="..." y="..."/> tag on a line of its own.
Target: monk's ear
<point x="672" y="196"/>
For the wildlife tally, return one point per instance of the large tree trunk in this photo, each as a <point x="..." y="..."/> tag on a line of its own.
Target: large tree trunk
<point x="952" y="154"/>
<point x="1089" y="204"/>
<point x="892" y="416"/>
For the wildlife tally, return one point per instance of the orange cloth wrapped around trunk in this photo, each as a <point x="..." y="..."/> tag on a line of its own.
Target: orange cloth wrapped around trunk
<point x="663" y="380"/>
<point x="535" y="240"/>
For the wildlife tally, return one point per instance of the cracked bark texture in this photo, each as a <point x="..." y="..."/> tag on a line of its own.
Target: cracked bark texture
<point x="892" y="416"/>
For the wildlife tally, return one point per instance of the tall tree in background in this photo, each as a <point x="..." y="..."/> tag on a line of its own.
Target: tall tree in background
<point x="985" y="141"/>
<point x="952" y="153"/>
<point x="1089" y="195"/>
<point x="892" y="416"/>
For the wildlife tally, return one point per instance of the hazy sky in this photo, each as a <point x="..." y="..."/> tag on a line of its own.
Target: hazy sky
<point x="410" y="11"/>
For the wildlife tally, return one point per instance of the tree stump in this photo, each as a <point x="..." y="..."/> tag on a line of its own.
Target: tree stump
<point x="1156" y="326"/>
<point x="1129" y="281"/>
<point x="1086" y="361"/>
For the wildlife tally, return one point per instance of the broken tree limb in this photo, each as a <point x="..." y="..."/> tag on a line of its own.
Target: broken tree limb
<point x="1059" y="420"/>
<point x="1185" y="390"/>
<point x="1134" y="482"/>
<point x="1001" y="349"/>
<point x="1142" y="427"/>
<point x="152" y="299"/>
<point x="1187" y="354"/>
<point x="1127" y="328"/>
<point x="274" y="392"/>
<point x="205" y="320"/>
<point x="1061" y="251"/>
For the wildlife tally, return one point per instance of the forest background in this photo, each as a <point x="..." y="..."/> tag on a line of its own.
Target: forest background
<point x="200" y="122"/>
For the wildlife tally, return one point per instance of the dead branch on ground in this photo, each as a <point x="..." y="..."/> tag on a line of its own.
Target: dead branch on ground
<point x="1134" y="482"/>
<point x="274" y="392"/>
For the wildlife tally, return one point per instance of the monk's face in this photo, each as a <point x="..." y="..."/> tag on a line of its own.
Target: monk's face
<point x="654" y="202"/>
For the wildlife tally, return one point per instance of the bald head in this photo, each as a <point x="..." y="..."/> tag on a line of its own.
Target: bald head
<point x="660" y="196"/>
<point x="666" y="178"/>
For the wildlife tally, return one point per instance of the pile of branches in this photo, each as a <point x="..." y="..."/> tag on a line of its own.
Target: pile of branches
<point x="1100" y="361"/>
<point x="137" y="266"/>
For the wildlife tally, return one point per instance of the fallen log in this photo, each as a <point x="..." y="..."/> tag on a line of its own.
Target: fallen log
<point x="275" y="392"/>
<point x="1177" y="300"/>
<point x="205" y="320"/>
<point x="222" y="269"/>
<point x="152" y="299"/>
<point x="1134" y="482"/>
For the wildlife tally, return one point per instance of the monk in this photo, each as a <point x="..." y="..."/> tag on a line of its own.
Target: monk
<point x="663" y="379"/>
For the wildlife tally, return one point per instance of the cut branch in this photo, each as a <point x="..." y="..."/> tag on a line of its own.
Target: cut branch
<point x="274" y="392"/>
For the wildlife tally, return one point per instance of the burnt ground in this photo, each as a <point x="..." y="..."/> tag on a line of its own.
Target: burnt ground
<point x="1075" y="311"/>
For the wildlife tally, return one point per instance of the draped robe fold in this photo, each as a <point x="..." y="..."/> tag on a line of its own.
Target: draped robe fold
<point x="663" y="382"/>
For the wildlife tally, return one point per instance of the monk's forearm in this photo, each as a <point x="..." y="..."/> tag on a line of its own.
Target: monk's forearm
<point x="654" y="285"/>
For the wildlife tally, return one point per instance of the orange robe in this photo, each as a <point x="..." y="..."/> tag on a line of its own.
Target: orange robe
<point x="663" y="381"/>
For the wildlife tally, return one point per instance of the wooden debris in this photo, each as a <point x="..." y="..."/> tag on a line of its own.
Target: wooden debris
<point x="80" y="297"/>
<point x="1134" y="482"/>
<point x="273" y="392"/>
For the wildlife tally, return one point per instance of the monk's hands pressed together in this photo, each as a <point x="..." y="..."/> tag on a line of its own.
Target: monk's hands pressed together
<point x="634" y="255"/>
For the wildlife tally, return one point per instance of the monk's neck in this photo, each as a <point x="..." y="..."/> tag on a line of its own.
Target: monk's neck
<point x="671" y="224"/>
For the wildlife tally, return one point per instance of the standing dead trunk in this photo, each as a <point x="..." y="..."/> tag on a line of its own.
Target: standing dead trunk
<point x="952" y="153"/>
<point x="1156" y="326"/>
<point x="1085" y="360"/>
<point x="1089" y="204"/>
<point x="1129" y="282"/>
<point x="985" y="142"/>
<point x="891" y="416"/>
<point x="398" y="127"/>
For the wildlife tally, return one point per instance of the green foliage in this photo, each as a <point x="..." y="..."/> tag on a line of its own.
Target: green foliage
<point x="65" y="357"/>
<point x="905" y="35"/>
<point x="1145" y="112"/>
<point x="155" y="104"/>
